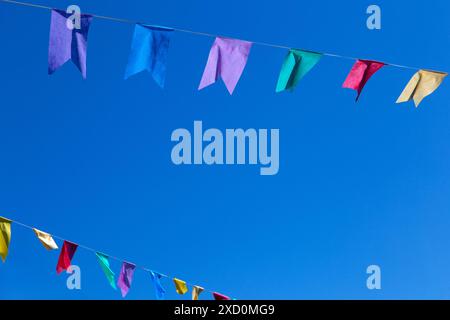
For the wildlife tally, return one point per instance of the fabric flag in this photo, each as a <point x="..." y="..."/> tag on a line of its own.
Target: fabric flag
<point x="46" y="239"/>
<point x="361" y="72"/>
<point x="103" y="260"/>
<point x="66" y="255"/>
<point x="295" y="66"/>
<point x="180" y="286"/>
<point x="5" y="237"/>
<point x="125" y="278"/>
<point x="159" y="290"/>
<point x="227" y="60"/>
<point x="149" y="51"/>
<point x="66" y="44"/>
<point x="196" y="290"/>
<point x="219" y="296"/>
<point x="422" y="84"/>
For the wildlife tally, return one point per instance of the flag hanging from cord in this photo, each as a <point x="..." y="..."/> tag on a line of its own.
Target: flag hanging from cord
<point x="219" y="296"/>
<point x="68" y="44"/>
<point x="180" y="286"/>
<point x="149" y="51"/>
<point x="196" y="290"/>
<point x="65" y="257"/>
<point x="159" y="290"/>
<point x="421" y="85"/>
<point x="295" y="66"/>
<point x="126" y="277"/>
<point x="46" y="239"/>
<point x="361" y="72"/>
<point x="5" y="237"/>
<point x="227" y="60"/>
<point x="103" y="260"/>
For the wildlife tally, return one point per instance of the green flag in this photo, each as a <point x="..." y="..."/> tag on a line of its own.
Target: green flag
<point x="295" y="66"/>
<point x="104" y="264"/>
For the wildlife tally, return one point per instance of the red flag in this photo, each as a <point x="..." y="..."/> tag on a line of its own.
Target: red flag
<point x="66" y="255"/>
<point x="219" y="296"/>
<point x="361" y="72"/>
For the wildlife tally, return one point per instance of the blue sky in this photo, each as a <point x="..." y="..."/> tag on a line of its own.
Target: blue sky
<point x="359" y="184"/>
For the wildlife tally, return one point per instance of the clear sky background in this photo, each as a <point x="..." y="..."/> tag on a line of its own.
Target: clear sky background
<point x="359" y="184"/>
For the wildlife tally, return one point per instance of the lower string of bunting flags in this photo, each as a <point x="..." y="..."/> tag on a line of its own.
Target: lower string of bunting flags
<point x="227" y="58"/>
<point x="125" y="278"/>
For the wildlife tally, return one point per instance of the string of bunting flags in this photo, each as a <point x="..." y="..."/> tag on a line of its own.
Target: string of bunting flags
<point x="227" y="57"/>
<point x="227" y="60"/>
<point x="125" y="278"/>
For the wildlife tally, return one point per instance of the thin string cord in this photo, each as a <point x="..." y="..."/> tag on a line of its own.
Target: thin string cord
<point x="205" y="34"/>
<point x="109" y="256"/>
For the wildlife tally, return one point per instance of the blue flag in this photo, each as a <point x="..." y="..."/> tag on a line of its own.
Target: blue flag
<point x="159" y="290"/>
<point x="149" y="52"/>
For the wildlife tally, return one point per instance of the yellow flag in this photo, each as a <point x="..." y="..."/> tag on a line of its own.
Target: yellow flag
<point x="422" y="84"/>
<point x="196" y="290"/>
<point x="46" y="240"/>
<point x="180" y="285"/>
<point x="5" y="237"/>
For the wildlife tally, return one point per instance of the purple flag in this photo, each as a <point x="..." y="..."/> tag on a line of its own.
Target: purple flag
<point x="125" y="277"/>
<point x="227" y="60"/>
<point x="66" y="44"/>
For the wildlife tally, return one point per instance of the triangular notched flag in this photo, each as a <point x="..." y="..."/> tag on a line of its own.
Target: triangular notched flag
<point x="422" y="84"/>
<point x="227" y="60"/>
<point x="159" y="290"/>
<point x="219" y="296"/>
<point x="361" y="72"/>
<point x="180" y="286"/>
<point x="126" y="277"/>
<point x="5" y="237"/>
<point x="103" y="260"/>
<point x="46" y="239"/>
<point x="149" y="51"/>
<point x="196" y="290"/>
<point x="65" y="257"/>
<point x="66" y="44"/>
<point x="295" y="66"/>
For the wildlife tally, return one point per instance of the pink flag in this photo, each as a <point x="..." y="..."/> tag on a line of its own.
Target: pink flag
<point x="219" y="296"/>
<point x="125" y="278"/>
<point x="66" y="255"/>
<point x="227" y="60"/>
<point x="359" y="75"/>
